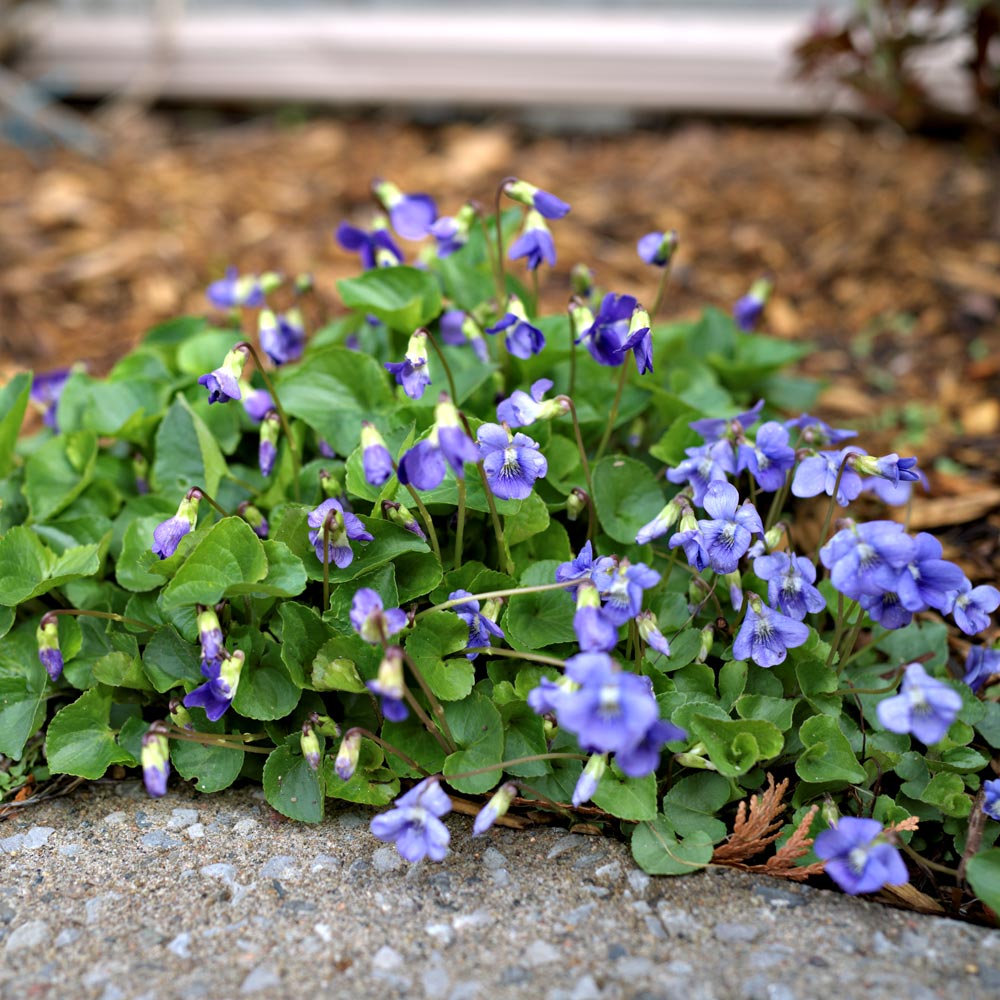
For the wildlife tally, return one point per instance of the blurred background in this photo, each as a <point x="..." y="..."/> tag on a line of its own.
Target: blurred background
<point x="848" y="151"/>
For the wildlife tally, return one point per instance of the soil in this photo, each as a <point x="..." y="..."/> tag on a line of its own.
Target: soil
<point x="885" y="250"/>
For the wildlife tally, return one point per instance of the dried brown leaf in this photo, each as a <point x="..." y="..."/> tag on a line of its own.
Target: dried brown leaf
<point x="912" y="899"/>
<point x="754" y="831"/>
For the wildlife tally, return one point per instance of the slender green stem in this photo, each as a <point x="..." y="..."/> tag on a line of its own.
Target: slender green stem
<point x="212" y="502"/>
<point x="326" y="559"/>
<point x="211" y="740"/>
<point x="409" y="761"/>
<point x="488" y="241"/>
<point x="445" y="365"/>
<point x="505" y="556"/>
<point x="534" y="292"/>
<point x="424" y="514"/>
<point x="777" y="502"/>
<point x="932" y="865"/>
<point x="516" y="654"/>
<point x="100" y="614"/>
<point x="419" y="712"/>
<point x="613" y="415"/>
<point x="852" y="637"/>
<point x="854" y="690"/>
<point x="510" y="592"/>
<point x="517" y="760"/>
<point x="579" y="444"/>
<point x="661" y="290"/>
<point x="436" y="707"/>
<point x="829" y="510"/>
<point x="501" y="277"/>
<point x="864" y="649"/>
<point x="460" y="526"/>
<point x="572" y="351"/>
<point x="283" y="417"/>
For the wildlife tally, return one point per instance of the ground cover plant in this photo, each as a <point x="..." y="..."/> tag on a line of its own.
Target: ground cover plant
<point x="444" y="552"/>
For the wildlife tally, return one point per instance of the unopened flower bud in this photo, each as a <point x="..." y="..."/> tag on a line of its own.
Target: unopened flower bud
<point x="691" y="759"/>
<point x="155" y="759"/>
<point x="347" y="756"/>
<point x="253" y="516"/>
<point x="330" y="484"/>
<point x="705" y="647"/>
<point x="581" y="280"/>
<point x="180" y="716"/>
<point x="267" y="449"/>
<point x="494" y="809"/>
<point x="589" y="779"/>
<point x="734" y="581"/>
<point x="309" y="742"/>
<point x="576" y="503"/>
<point x="398" y="514"/>
<point x="270" y="281"/>
<point x="49" y="653"/>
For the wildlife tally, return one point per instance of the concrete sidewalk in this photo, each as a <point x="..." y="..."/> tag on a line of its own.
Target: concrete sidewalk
<point x="108" y="894"/>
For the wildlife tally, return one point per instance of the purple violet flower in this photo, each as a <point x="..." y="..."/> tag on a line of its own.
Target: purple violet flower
<point x="345" y="527"/>
<point x="497" y="806"/>
<point x="981" y="663"/>
<point x="423" y="465"/>
<point x="210" y="637"/>
<point x="375" y="457"/>
<point x="649" y="631"/>
<point x="866" y="559"/>
<point x="522" y="409"/>
<point x="595" y="632"/>
<point x="216" y="695"/>
<point x="644" y="757"/>
<point x="622" y="587"/>
<point x="257" y="403"/>
<point x="925" y="707"/>
<point x="412" y="215"/>
<point x="371" y="621"/>
<point x="857" y="857"/>
<point x="606" y="336"/>
<point x="749" y="308"/>
<point x="389" y="685"/>
<point x="223" y="384"/>
<point x="790" y="580"/>
<point x="639" y="340"/>
<point x="991" y="798"/>
<point x="46" y="390"/>
<point x="155" y="759"/>
<point x="769" y="457"/>
<point x="714" y="429"/>
<point x="482" y="628"/>
<point x="535" y="243"/>
<point x="728" y="535"/>
<point x="658" y="248"/>
<point x="512" y="463"/>
<point x="232" y="291"/>
<point x="886" y="609"/>
<point x="818" y="474"/>
<point x="580" y="565"/>
<point x="928" y="580"/>
<point x="816" y="433"/>
<point x="589" y="780"/>
<point x="889" y="467"/>
<point x="971" y="607"/>
<point x="375" y="247"/>
<point x="452" y="231"/>
<point x="411" y="373"/>
<point x="414" y="826"/>
<point x="541" y="201"/>
<point x="167" y="534"/>
<point x="523" y="340"/>
<point x="282" y="338"/>
<point x="766" y="635"/>
<point x="709" y="463"/>
<point x="49" y="654"/>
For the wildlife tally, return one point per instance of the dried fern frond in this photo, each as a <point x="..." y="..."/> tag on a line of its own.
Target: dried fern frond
<point x="754" y="831"/>
<point x="910" y="823"/>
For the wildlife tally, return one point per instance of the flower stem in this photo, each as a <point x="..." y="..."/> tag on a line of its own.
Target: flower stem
<point x="326" y="559"/>
<point x="516" y="654"/>
<point x="579" y="444"/>
<point x="460" y="526"/>
<point x="99" y="614"/>
<point x="613" y="416"/>
<point x="829" y="509"/>
<point x="924" y="863"/>
<point x="445" y="365"/>
<point x="777" y="502"/>
<point x="501" y="278"/>
<point x="227" y="742"/>
<point x="409" y="761"/>
<point x="510" y="592"/>
<point x="426" y="720"/>
<point x="534" y="292"/>
<point x="513" y="763"/>
<point x="283" y="417"/>
<point x="508" y="562"/>
<point x="661" y="290"/>
<point x="424" y="514"/>
<point x="572" y="352"/>
<point x="202" y="495"/>
<point x="436" y="707"/>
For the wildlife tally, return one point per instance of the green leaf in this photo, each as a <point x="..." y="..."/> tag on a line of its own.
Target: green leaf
<point x="381" y="580"/>
<point x="626" y="496"/>
<point x="334" y="666"/>
<point x="371" y="784"/>
<point x="303" y="633"/>
<point x="214" y="767"/>
<point x="292" y="787"/>
<point x="22" y="712"/>
<point x="627" y="798"/>
<point x="334" y="392"/>
<point x="671" y="448"/>
<point x="735" y="746"/>
<point x="433" y="638"/>
<point x="229" y="555"/>
<point x="286" y="575"/>
<point x="118" y="669"/>
<point x="58" y="472"/>
<point x="13" y="402"/>
<point x="947" y="792"/>
<point x="28" y="569"/>
<point x="534" y="621"/>
<point x="983" y="873"/>
<point x="170" y="661"/>
<point x="417" y="573"/>
<point x="828" y="756"/>
<point x="80" y="740"/>
<point x="404" y="298"/>
<point x="693" y="804"/>
<point x="186" y="453"/>
<point x="917" y="640"/>
<point x="658" y="850"/>
<point x="266" y="690"/>
<point x="478" y="729"/>
<point x="762" y="706"/>
<point x="524" y="736"/>
<point x="532" y="518"/>
<point x="205" y="351"/>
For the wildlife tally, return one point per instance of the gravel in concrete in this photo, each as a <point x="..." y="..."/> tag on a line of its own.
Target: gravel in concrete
<point x="108" y="895"/>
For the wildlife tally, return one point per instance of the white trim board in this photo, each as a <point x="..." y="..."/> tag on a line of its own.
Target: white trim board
<point x="675" y="61"/>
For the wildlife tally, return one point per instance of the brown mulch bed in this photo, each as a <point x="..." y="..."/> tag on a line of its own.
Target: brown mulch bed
<point x="885" y="251"/>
